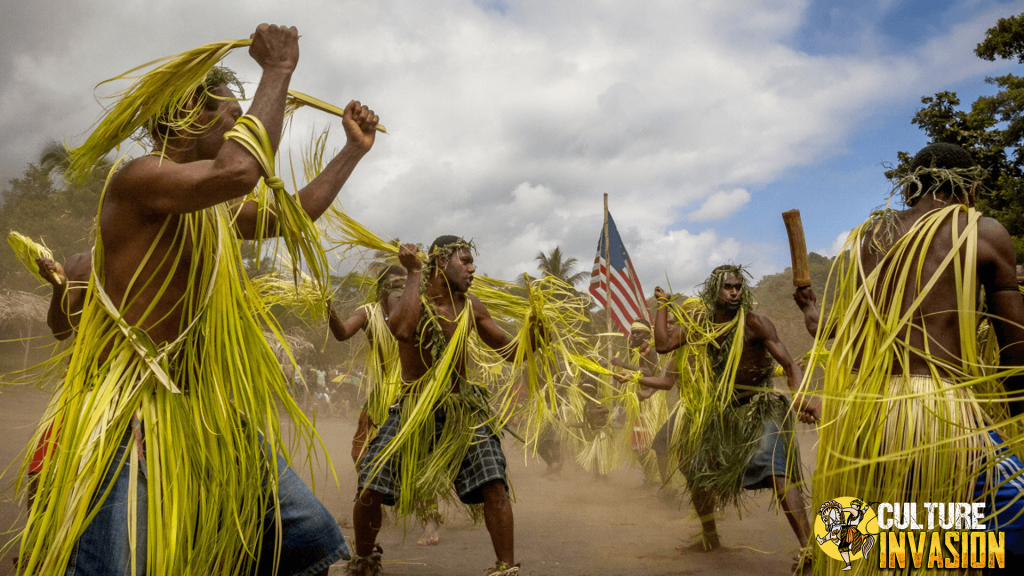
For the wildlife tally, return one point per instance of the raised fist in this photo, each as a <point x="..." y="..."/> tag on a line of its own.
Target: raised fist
<point x="660" y="294"/>
<point x="804" y="297"/>
<point x="360" y="125"/>
<point x="409" y="256"/>
<point x="275" y="47"/>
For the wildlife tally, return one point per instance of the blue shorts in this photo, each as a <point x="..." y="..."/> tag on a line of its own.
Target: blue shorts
<point x="1007" y="501"/>
<point x="310" y="539"/>
<point x="770" y="459"/>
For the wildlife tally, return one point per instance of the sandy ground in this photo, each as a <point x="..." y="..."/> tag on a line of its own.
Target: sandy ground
<point x="568" y="524"/>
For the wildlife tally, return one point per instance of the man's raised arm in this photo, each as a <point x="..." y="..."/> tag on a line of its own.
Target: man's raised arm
<point x="807" y="301"/>
<point x="808" y="409"/>
<point x="316" y="197"/>
<point x="343" y="330"/>
<point x="666" y="338"/>
<point x="210" y="171"/>
<point x="407" y="313"/>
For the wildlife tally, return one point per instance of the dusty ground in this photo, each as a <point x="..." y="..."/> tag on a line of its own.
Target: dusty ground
<point x="568" y="524"/>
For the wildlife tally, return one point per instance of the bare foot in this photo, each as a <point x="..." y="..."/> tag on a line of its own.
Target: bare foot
<point x="802" y="564"/>
<point x="705" y="543"/>
<point x="431" y="534"/>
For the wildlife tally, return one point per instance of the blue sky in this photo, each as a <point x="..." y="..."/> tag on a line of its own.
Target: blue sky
<point x="702" y="120"/>
<point x="836" y="193"/>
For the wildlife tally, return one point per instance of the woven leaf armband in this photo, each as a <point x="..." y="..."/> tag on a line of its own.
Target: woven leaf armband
<point x="294" y="225"/>
<point x="252" y="135"/>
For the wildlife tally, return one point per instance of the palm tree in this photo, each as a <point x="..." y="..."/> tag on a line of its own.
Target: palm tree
<point x="555" y="264"/>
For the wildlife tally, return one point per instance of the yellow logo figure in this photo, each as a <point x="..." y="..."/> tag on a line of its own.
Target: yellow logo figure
<point x="844" y="529"/>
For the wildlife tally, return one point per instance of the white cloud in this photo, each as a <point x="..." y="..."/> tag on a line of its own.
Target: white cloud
<point x="837" y="245"/>
<point x="719" y="205"/>
<point x="508" y="126"/>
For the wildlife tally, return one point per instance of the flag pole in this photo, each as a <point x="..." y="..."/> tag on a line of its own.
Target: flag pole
<point x="607" y="281"/>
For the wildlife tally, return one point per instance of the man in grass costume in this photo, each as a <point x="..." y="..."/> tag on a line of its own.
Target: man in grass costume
<point x="653" y="409"/>
<point x="383" y="372"/>
<point x="733" y="431"/>
<point x="171" y="458"/>
<point x="913" y="413"/>
<point x="440" y="432"/>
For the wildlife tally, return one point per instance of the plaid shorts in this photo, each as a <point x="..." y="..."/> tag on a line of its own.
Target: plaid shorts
<point x="483" y="463"/>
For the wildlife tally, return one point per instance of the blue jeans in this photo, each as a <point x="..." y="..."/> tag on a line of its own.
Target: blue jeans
<point x="310" y="539"/>
<point x="103" y="547"/>
<point x="1005" y="503"/>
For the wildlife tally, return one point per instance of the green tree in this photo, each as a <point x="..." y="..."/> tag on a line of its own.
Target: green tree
<point x="992" y="130"/>
<point x="43" y="206"/>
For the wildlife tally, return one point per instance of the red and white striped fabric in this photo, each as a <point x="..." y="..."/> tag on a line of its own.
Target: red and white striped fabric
<point x="626" y="302"/>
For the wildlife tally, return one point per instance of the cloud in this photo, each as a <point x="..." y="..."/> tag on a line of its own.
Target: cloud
<point x="508" y="121"/>
<point x="719" y="205"/>
<point x="837" y="245"/>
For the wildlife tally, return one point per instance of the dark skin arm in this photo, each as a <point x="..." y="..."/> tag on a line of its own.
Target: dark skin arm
<point x="645" y="352"/>
<point x="195" y="183"/>
<point x="316" y="197"/>
<point x="490" y="333"/>
<point x="760" y="327"/>
<point x="624" y="364"/>
<point x="669" y="378"/>
<point x="807" y="301"/>
<point x="343" y="330"/>
<point x="69" y="286"/>
<point x="666" y="337"/>
<point x="997" y="273"/>
<point x="406" y="314"/>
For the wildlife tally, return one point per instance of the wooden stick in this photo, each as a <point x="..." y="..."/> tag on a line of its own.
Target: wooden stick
<point x="797" y="248"/>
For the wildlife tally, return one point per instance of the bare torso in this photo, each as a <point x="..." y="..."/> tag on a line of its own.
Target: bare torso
<point x="128" y="234"/>
<point x="938" y="313"/>
<point x="417" y="358"/>
<point x="755" y="362"/>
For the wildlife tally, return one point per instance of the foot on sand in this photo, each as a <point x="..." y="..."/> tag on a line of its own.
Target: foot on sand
<point x="802" y="563"/>
<point x="366" y="566"/>
<point x="431" y="534"/>
<point x="502" y="569"/>
<point x="704" y="543"/>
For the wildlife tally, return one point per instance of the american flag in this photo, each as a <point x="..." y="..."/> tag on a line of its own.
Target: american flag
<point x="627" y="297"/>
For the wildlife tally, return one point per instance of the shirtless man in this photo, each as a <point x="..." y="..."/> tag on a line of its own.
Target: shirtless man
<point x="481" y="476"/>
<point x="639" y="341"/>
<point x="930" y="376"/>
<point x="768" y="466"/>
<point x="198" y="171"/>
<point x="390" y="286"/>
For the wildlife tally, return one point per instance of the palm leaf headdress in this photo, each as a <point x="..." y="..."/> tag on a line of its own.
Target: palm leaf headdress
<point x="166" y="90"/>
